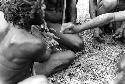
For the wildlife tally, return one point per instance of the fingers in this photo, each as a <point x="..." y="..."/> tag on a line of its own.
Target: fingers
<point x="68" y="32"/>
<point x="66" y="26"/>
<point x="54" y="33"/>
<point x="117" y="36"/>
<point x="118" y="33"/>
<point x="63" y="27"/>
<point x="62" y="30"/>
<point x="52" y="30"/>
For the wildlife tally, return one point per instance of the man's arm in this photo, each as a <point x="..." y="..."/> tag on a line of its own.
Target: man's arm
<point x="4" y="26"/>
<point x="3" y="23"/>
<point x="44" y="53"/>
<point x="101" y="20"/>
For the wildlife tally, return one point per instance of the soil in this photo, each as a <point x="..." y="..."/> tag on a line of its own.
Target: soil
<point x="98" y="63"/>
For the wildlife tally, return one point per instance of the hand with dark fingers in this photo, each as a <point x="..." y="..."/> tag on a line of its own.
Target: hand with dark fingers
<point x="118" y="33"/>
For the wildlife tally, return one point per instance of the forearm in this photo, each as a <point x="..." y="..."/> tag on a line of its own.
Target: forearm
<point x="95" y="22"/>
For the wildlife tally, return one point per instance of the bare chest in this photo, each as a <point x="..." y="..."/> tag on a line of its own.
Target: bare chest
<point x="18" y="47"/>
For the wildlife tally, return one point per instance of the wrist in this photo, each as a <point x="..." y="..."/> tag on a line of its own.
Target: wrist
<point x="76" y="28"/>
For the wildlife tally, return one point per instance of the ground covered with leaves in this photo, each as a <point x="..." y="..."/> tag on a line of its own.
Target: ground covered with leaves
<point x="97" y="64"/>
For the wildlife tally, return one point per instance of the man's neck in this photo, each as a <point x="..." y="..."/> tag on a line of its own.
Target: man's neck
<point x="27" y="28"/>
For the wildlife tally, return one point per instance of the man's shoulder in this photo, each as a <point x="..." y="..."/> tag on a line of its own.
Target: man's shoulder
<point x="24" y="44"/>
<point x="3" y="22"/>
<point x="21" y="36"/>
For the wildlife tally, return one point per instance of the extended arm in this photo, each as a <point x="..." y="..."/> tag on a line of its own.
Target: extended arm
<point x="101" y="20"/>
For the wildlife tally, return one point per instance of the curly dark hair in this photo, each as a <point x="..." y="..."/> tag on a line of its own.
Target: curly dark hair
<point x="17" y="12"/>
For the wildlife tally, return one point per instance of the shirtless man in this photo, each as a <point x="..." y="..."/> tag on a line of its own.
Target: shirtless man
<point x="19" y="49"/>
<point x="99" y="21"/>
<point x="98" y="7"/>
<point x="53" y="16"/>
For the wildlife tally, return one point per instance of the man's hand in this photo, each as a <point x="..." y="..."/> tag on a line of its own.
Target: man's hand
<point x="68" y="28"/>
<point x="118" y="33"/>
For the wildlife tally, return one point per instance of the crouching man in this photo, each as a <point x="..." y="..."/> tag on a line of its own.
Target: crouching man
<point x="19" y="49"/>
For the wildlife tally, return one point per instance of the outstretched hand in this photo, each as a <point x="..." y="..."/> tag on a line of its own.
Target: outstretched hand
<point x="68" y="28"/>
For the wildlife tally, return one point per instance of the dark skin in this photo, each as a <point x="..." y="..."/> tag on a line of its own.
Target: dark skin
<point x="54" y="20"/>
<point x="100" y="21"/>
<point x="19" y="50"/>
<point x="98" y="7"/>
<point x="93" y="14"/>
